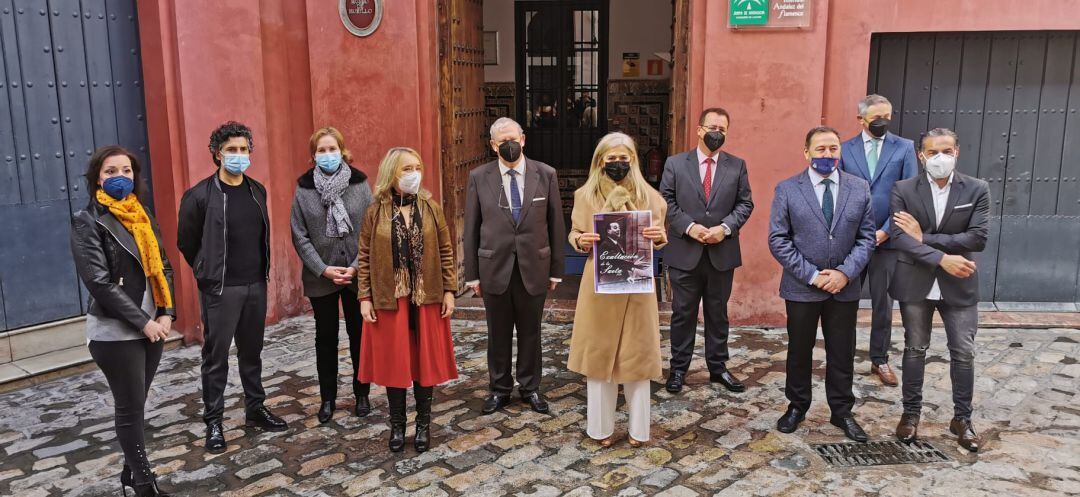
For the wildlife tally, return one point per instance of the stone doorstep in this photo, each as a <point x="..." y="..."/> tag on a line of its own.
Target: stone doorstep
<point x="55" y="364"/>
<point x="32" y="341"/>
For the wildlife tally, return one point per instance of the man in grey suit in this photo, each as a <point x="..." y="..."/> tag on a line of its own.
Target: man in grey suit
<point x="940" y="218"/>
<point x="881" y="158"/>
<point x="821" y="230"/>
<point x="514" y="240"/>
<point x="708" y="197"/>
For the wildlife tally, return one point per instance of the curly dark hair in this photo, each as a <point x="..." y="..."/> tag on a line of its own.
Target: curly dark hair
<point x="223" y="133"/>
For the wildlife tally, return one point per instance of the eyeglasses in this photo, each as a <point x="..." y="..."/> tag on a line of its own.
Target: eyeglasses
<point x="712" y="128"/>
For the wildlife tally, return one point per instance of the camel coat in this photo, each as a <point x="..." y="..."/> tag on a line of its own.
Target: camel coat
<point x="615" y="338"/>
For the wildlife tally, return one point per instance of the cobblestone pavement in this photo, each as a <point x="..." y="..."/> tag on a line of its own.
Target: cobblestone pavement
<point x="57" y="438"/>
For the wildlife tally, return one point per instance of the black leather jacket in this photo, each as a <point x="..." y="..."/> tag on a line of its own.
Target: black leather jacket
<point x="106" y="258"/>
<point x="201" y="232"/>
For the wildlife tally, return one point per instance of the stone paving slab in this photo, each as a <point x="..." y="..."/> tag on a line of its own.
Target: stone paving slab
<point x="56" y="438"/>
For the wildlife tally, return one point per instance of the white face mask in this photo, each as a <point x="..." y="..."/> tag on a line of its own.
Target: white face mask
<point x="940" y="166"/>
<point x="409" y="183"/>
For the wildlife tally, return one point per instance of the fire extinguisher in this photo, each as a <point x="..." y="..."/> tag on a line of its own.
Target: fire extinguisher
<point x="655" y="160"/>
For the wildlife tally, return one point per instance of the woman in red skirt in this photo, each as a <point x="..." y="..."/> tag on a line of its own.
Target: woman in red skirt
<point x="406" y="277"/>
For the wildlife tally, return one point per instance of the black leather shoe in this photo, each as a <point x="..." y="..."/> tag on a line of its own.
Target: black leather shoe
<point x="851" y="429"/>
<point x="263" y="419"/>
<point x="724" y="377"/>
<point x="215" y="438"/>
<point x="495" y="401"/>
<point x="675" y="381"/>
<point x="363" y="406"/>
<point x="536" y="401"/>
<point x="789" y="422"/>
<point x="326" y="411"/>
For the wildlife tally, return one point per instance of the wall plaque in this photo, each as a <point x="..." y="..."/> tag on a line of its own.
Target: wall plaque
<point x="360" y="17"/>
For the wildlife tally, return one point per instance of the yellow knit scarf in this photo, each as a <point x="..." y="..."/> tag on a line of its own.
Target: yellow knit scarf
<point x="131" y="214"/>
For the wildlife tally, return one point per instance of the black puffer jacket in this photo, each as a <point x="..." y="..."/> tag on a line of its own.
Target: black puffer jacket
<point x="201" y="231"/>
<point x="108" y="263"/>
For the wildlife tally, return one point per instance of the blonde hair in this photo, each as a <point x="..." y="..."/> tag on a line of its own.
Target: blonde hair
<point x="388" y="170"/>
<point x="330" y="131"/>
<point x="640" y="188"/>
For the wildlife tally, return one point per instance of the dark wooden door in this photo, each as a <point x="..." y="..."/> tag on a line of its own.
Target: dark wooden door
<point x="1012" y="97"/>
<point x="461" y="81"/>
<point x="70" y="82"/>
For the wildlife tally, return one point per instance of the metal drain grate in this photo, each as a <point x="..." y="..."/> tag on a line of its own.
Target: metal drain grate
<point x="879" y="453"/>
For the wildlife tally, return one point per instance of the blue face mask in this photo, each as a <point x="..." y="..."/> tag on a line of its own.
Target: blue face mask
<point x="236" y="164"/>
<point x="824" y="165"/>
<point x="329" y="163"/>
<point x="118" y="187"/>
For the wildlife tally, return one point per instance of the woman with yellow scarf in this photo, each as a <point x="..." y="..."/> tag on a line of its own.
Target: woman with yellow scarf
<point x="616" y="338"/>
<point x="119" y="257"/>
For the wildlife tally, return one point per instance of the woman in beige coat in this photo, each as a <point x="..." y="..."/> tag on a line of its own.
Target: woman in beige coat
<point x="616" y="338"/>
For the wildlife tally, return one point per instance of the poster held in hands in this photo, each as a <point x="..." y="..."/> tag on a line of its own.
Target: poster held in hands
<point x="623" y="258"/>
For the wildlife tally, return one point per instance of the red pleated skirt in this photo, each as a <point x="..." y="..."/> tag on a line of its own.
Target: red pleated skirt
<point x="391" y="355"/>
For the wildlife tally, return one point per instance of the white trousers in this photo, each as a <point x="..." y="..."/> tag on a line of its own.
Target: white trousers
<point x="600" y="422"/>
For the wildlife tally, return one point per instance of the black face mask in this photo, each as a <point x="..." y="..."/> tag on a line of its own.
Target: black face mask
<point x="617" y="170"/>
<point x="878" y="127"/>
<point x="714" y="140"/>
<point x="510" y="151"/>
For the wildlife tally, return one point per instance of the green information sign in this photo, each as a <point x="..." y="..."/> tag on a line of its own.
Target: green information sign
<point x="748" y="13"/>
<point x="768" y="14"/>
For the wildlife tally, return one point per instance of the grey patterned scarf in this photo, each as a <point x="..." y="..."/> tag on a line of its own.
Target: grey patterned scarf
<point x="330" y="188"/>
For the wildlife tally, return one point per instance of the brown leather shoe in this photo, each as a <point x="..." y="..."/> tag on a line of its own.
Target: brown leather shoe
<point x="908" y="428"/>
<point x="885" y="374"/>
<point x="966" y="434"/>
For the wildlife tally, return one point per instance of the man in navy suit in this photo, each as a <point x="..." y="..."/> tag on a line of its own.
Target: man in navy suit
<point x="881" y="159"/>
<point x="821" y="230"/>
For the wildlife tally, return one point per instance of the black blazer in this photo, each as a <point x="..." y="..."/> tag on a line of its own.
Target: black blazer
<point x="729" y="203"/>
<point x="108" y="263"/>
<point x="493" y="241"/>
<point x="964" y="228"/>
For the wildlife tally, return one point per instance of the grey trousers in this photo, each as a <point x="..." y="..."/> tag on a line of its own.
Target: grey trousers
<point x="879" y="272"/>
<point x="961" y="324"/>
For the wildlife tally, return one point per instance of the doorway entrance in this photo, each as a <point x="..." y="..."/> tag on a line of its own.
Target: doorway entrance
<point x="568" y="72"/>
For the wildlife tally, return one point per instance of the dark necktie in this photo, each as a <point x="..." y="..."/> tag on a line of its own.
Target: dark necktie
<point x="515" y="195"/>
<point x="707" y="182"/>
<point x="827" y="202"/>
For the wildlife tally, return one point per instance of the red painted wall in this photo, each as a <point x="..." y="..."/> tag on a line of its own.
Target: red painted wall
<point x="284" y="68"/>
<point x="779" y="84"/>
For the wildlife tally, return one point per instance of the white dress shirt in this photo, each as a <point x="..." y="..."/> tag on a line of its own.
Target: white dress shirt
<point x="701" y="176"/>
<point x="503" y="168"/>
<point x="866" y="139"/>
<point x="941" y="198"/>
<point x="819" y="191"/>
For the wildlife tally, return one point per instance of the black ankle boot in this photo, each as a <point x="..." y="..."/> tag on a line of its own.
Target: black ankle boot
<point x="396" y="398"/>
<point x="423" y="417"/>
<point x="125" y="479"/>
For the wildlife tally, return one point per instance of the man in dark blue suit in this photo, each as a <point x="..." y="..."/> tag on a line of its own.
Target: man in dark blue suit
<point x="821" y="230"/>
<point x="881" y="159"/>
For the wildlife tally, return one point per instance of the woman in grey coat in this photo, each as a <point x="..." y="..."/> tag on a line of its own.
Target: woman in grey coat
<point x="327" y="211"/>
